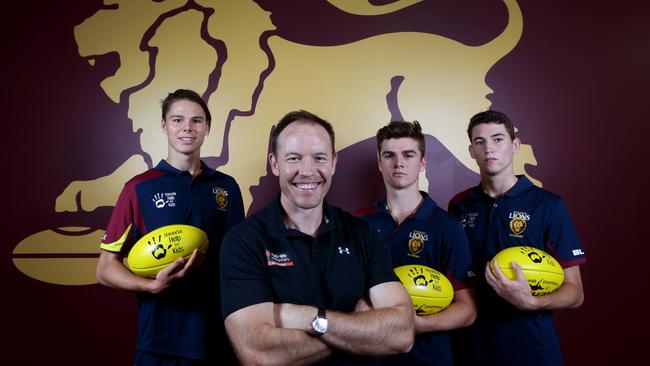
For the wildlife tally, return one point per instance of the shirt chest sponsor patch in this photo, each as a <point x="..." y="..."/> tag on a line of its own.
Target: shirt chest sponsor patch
<point x="164" y="199"/>
<point x="278" y="259"/>
<point x="469" y="219"/>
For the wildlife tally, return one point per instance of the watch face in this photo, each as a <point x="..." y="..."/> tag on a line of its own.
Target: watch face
<point x="320" y="325"/>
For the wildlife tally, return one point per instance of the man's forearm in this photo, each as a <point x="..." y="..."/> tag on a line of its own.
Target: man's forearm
<point x="376" y="332"/>
<point x="460" y="313"/>
<point x="262" y="343"/>
<point x="569" y="296"/>
<point x="370" y="332"/>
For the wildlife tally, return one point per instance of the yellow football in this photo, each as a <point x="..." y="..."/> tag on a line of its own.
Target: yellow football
<point x="543" y="272"/>
<point x="159" y="248"/>
<point x="430" y="290"/>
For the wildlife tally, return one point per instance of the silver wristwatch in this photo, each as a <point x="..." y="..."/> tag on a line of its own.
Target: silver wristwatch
<point x="319" y="324"/>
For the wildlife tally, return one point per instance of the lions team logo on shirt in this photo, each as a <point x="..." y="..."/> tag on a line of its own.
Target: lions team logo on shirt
<point x="417" y="239"/>
<point x="518" y="221"/>
<point x="221" y="196"/>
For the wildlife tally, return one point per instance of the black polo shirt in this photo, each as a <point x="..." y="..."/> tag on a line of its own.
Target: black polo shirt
<point x="264" y="261"/>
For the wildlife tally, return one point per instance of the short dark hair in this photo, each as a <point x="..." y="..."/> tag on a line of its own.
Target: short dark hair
<point x="496" y="117"/>
<point x="300" y="115"/>
<point x="185" y="94"/>
<point x="401" y="129"/>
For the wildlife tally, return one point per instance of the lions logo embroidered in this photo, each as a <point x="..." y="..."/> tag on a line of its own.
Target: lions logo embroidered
<point x="416" y="242"/>
<point x="221" y="196"/>
<point x="518" y="223"/>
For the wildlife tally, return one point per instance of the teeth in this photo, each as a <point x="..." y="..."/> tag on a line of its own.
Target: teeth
<point x="306" y="185"/>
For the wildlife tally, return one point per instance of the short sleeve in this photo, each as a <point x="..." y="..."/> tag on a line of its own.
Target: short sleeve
<point x="380" y="267"/>
<point x="243" y="278"/>
<point x="561" y="238"/>
<point x="119" y="232"/>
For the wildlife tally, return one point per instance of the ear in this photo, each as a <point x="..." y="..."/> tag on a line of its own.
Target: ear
<point x="516" y="144"/>
<point x="274" y="165"/>
<point x="335" y="158"/>
<point x="163" y="126"/>
<point x="423" y="163"/>
<point x="470" y="148"/>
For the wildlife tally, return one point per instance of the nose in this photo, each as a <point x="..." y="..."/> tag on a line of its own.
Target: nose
<point x="306" y="167"/>
<point x="399" y="161"/>
<point x="187" y="125"/>
<point x="489" y="147"/>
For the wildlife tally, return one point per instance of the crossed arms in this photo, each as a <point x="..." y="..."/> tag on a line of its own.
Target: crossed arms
<point x="279" y="334"/>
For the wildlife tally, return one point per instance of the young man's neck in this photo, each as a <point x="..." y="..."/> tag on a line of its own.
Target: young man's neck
<point x="402" y="203"/>
<point x="187" y="163"/>
<point x="495" y="186"/>
<point x="304" y="220"/>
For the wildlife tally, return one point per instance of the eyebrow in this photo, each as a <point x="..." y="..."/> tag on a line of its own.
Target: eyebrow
<point x="498" y="134"/>
<point x="398" y="152"/>
<point x="182" y="116"/>
<point x="300" y="154"/>
<point x="289" y="153"/>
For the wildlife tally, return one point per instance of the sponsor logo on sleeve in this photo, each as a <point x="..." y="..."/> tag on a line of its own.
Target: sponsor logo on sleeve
<point x="577" y="252"/>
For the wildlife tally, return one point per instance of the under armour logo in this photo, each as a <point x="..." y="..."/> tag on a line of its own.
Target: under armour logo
<point x="345" y="250"/>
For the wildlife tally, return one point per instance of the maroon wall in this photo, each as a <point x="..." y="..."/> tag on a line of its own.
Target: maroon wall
<point x="574" y="83"/>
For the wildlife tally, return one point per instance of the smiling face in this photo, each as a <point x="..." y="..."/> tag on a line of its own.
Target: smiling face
<point x="304" y="163"/>
<point x="493" y="149"/>
<point x="400" y="163"/>
<point x="186" y="128"/>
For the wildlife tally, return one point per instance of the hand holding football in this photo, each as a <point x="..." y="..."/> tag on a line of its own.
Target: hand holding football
<point x="159" y="248"/>
<point x="543" y="273"/>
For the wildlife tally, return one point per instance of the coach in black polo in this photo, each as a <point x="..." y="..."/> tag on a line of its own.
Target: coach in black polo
<point x="303" y="281"/>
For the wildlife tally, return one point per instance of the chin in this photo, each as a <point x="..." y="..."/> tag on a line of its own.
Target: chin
<point x="309" y="204"/>
<point x="400" y="184"/>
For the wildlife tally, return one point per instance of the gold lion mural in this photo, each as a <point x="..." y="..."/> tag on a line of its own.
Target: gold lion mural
<point x="260" y="76"/>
